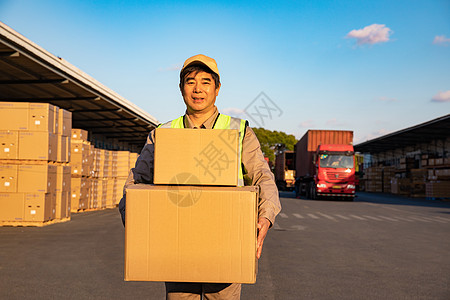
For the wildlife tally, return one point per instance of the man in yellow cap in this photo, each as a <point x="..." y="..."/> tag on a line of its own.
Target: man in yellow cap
<point x="200" y="85"/>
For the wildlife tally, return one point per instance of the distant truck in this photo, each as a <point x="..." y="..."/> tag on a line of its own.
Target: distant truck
<point x="284" y="168"/>
<point x="325" y="165"/>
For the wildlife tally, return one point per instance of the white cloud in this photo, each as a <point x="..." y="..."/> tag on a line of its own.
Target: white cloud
<point x="232" y="111"/>
<point x="307" y="124"/>
<point x="372" y="34"/>
<point x="441" y="40"/>
<point x="441" y="97"/>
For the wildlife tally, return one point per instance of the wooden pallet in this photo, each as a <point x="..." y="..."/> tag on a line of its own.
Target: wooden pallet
<point x="32" y="223"/>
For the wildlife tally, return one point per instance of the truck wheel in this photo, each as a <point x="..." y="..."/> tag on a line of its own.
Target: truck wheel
<point x="313" y="192"/>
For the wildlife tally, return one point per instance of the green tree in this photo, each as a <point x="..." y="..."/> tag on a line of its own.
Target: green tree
<point x="268" y="139"/>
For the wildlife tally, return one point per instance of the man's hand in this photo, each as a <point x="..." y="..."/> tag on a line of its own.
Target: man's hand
<point x="263" y="227"/>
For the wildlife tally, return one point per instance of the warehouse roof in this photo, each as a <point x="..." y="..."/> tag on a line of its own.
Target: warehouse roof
<point x="435" y="129"/>
<point x="28" y="73"/>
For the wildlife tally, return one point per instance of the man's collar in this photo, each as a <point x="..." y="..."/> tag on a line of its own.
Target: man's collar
<point x="208" y="124"/>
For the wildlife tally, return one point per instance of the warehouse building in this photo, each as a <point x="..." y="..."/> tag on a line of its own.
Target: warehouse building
<point x="28" y="73"/>
<point x="413" y="162"/>
<point x="67" y="142"/>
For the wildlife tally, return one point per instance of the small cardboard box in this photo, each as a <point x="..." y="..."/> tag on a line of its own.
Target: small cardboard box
<point x="196" y="156"/>
<point x="79" y="134"/>
<point x="191" y="234"/>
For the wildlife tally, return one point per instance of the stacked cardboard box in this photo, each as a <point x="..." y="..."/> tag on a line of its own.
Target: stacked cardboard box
<point x="388" y="174"/>
<point x="438" y="186"/>
<point x="373" y="179"/>
<point x="418" y="179"/>
<point x="401" y="186"/>
<point x="34" y="156"/>
<point x="174" y="229"/>
<point x="98" y="175"/>
<point x="81" y="162"/>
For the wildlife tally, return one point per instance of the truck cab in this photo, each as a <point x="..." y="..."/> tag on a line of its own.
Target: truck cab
<point x="335" y="171"/>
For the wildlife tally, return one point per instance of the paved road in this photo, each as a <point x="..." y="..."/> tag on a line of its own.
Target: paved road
<point x="378" y="247"/>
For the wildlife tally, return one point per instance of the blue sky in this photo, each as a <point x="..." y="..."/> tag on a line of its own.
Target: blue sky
<point x="373" y="67"/>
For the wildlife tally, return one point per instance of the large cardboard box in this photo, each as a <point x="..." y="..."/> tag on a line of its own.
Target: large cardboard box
<point x="63" y="151"/>
<point x="62" y="205"/>
<point x="36" y="179"/>
<point x="42" y="117"/>
<point x="34" y="145"/>
<point x="12" y="206"/>
<point x="39" y="207"/>
<point x="65" y="122"/>
<point x="63" y="179"/>
<point x="9" y="144"/>
<point x="191" y="234"/>
<point x="14" y="116"/>
<point x="192" y="156"/>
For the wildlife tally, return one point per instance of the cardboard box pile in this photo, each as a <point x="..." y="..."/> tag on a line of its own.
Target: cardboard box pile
<point x="96" y="183"/>
<point x="438" y="184"/>
<point x="195" y="224"/>
<point x="34" y="163"/>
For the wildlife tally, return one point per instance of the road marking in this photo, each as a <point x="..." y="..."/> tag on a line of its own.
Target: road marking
<point x="372" y="218"/>
<point x="285" y="216"/>
<point x="342" y="217"/>
<point x="404" y="219"/>
<point x="277" y="227"/>
<point x="327" y="216"/>
<point x="356" y="217"/>
<point x="387" y="218"/>
<point x="298" y="216"/>
<point x="442" y="218"/>
<point x="433" y="220"/>
<point x="418" y="219"/>
<point x="298" y="227"/>
<point x="313" y="216"/>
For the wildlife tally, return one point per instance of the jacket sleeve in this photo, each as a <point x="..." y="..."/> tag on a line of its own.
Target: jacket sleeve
<point x="258" y="170"/>
<point x="142" y="171"/>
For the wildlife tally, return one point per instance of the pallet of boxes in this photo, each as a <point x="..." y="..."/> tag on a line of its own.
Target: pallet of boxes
<point x="437" y="186"/>
<point x="98" y="175"/>
<point x="34" y="164"/>
<point x="194" y="224"/>
<point x="82" y="155"/>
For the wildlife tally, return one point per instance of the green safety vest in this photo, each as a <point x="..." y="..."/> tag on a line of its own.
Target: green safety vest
<point x="222" y="122"/>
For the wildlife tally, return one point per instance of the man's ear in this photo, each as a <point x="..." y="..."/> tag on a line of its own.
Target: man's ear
<point x="217" y="89"/>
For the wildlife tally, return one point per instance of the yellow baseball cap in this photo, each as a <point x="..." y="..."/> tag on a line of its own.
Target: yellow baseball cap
<point x="203" y="59"/>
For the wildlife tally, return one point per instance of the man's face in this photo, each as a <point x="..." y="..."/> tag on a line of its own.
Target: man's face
<point x="199" y="92"/>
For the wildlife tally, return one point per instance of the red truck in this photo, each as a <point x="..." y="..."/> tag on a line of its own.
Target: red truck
<point x="325" y="165"/>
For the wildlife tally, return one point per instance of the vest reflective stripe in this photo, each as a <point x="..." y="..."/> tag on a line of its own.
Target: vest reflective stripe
<point x="222" y="122"/>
